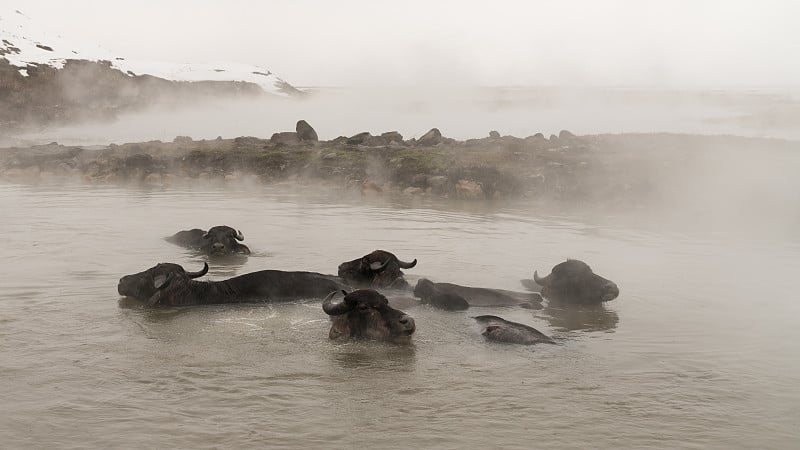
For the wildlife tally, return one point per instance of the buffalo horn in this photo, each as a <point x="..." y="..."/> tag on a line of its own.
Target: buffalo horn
<point x="405" y="265"/>
<point x="540" y="281"/>
<point x="337" y="309"/>
<point x="239" y="236"/>
<point x="202" y="272"/>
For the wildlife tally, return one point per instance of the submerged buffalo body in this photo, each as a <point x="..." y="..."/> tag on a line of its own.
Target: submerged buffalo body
<point x="573" y="281"/>
<point x="379" y="269"/>
<point x="365" y="313"/>
<point x="169" y="284"/>
<point x="219" y="240"/>
<point x="452" y="296"/>
<point x="427" y="292"/>
<point x="501" y="330"/>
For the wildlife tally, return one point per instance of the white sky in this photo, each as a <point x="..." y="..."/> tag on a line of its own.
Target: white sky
<point x="499" y="42"/>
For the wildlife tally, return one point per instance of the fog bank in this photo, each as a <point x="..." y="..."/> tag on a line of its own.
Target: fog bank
<point x="459" y="112"/>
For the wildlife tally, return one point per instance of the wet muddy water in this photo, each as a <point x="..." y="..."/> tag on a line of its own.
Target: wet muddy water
<point x="700" y="350"/>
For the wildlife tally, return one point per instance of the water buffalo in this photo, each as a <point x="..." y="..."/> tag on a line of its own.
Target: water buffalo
<point x="169" y="284"/>
<point x="427" y="292"/>
<point x="573" y="281"/>
<point x="379" y="269"/>
<point x="219" y="240"/>
<point x="450" y="296"/>
<point x="365" y="313"/>
<point x="501" y="330"/>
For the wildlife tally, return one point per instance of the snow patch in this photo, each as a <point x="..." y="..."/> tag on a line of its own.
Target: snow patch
<point x="23" y="42"/>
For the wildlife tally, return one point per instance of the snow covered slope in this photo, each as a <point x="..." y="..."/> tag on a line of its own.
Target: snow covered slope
<point x="23" y="42"/>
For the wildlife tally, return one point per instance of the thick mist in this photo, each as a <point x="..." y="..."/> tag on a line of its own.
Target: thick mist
<point x="460" y="112"/>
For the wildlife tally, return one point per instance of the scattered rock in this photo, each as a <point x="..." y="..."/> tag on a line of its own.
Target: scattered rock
<point x="468" y="189"/>
<point x="369" y="186"/>
<point x="182" y="140"/>
<point x="413" y="191"/>
<point x="329" y="156"/>
<point x="431" y="138"/>
<point x="305" y="132"/>
<point x="359" y="138"/>
<point x="391" y="136"/>
<point x="285" y="138"/>
<point x="564" y="134"/>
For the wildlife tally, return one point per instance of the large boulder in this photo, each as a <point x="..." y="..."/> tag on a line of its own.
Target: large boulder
<point x="431" y="138"/>
<point x="305" y="132"/>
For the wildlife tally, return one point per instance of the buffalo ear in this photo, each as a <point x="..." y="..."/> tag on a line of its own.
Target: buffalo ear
<point x="162" y="281"/>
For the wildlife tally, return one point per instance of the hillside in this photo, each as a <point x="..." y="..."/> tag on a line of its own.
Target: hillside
<point x="45" y="79"/>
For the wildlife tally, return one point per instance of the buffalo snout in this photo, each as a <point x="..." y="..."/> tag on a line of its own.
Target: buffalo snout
<point x="131" y="285"/>
<point x="611" y="291"/>
<point x="406" y="325"/>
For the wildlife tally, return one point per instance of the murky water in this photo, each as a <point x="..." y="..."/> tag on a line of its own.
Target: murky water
<point x="699" y="351"/>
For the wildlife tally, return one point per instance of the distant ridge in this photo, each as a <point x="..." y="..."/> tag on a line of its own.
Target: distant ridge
<point x="44" y="78"/>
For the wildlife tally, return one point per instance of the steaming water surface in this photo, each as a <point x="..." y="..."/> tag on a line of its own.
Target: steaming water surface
<point x="699" y="351"/>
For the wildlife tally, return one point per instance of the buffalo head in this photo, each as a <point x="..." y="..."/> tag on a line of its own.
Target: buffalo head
<point x="223" y="240"/>
<point x="144" y="285"/>
<point x="379" y="269"/>
<point x="365" y="313"/>
<point x="573" y="281"/>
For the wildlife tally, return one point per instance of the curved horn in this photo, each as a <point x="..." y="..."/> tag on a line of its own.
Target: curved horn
<point x="405" y="265"/>
<point x="337" y="309"/>
<point x="202" y="272"/>
<point x="206" y="235"/>
<point x="540" y="281"/>
<point x="239" y="236"/>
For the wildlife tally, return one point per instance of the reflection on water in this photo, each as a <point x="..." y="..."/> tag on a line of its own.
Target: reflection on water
<point x="571" y="317"/>
<point x="690" y="363"/>
<point x="373" y="355"/>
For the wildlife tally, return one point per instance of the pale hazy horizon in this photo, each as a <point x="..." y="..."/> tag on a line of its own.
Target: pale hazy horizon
<point x="659" y="44"/>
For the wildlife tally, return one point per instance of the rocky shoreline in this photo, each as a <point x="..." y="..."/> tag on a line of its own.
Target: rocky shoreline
<point x="613" y="170"/>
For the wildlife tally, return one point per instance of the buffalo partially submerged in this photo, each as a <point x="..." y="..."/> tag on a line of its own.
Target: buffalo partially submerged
<point x="365" y="313"/>
<point x="453" y="296"/>
<point x="169" y="284"/>
<point x="573" y="281"/>
<point x="501" y="330"/>
<point x="219" y="240"/>
<point x="427" y="292"/>
<point x="379" y="269"/>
